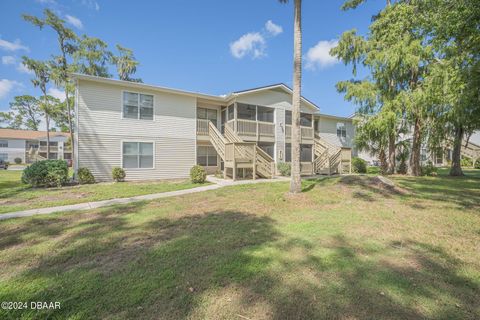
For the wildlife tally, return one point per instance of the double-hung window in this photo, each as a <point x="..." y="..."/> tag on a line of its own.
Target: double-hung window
<point x="207" y="114"/>
<point x="3" y="143"/>
<point x="137" y="106"/>
<point x="206" y="156"/>
<point x="4" y="156"/>
<point x="137" y="155"/>
<point x="341" y="130"/>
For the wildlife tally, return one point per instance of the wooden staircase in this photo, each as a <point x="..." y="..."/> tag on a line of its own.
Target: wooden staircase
<point x="330" y="159"/>
<point x="238" y="154"/>
<point x="470" y="150"/>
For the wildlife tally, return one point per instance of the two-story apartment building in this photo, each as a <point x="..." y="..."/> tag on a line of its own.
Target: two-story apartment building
<point x="160" y="133"/>
<point x="29" y="145"/>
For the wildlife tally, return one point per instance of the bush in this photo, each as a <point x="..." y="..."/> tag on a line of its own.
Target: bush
<point x="466" y="162"/>
<point x="46" y="173"/>
<point x="17" y="160"/>
<point x="429" y="169"/>
<point x="373" y="170"/>
<point x="285" y="168"/>
<point x="85" y="176"/>
<point x="477" y="164"/>
<point x="118" y="174"/>
<point x="359" y="165"/>
<point x="198" y="174"/>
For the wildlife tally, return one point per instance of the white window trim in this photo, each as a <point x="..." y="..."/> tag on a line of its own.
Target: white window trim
<point x="206" y="146"/>
<point x="139" y="93"/>
<point x="137" y="140"/>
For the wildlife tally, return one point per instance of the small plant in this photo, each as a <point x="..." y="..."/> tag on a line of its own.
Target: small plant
<point x="198" y="174"/>
<point x="429" y="169"/>
<point x="118" y="174"/>
<point x="359" y="165"/>
<point x="85" y="176"/>
<point x="285" y="168"/>
<point x="46" y="173"/>
<point x="477" y="164"/>
<point x="18" y="160"/>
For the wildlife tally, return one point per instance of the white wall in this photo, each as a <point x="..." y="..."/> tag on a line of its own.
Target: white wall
<point x="101" y="130"/>
<point x="16" y="149"/>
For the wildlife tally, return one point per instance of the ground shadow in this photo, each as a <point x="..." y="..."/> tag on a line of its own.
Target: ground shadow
<point x="106" y="265"/>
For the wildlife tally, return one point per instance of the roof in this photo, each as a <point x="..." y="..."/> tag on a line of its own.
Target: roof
<point x="334" y="117"/>
<point x="79" y="76"/>
<point x="282" y="86"/>
<point x="222" y="98"/>
<point x="28" y="134"/>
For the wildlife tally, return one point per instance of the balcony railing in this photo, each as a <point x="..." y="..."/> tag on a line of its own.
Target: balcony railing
<point x="202" y="127"/>
<point x="306" y="132"/>
<point x="54" y="149"/>
<point x="255" y="128"/>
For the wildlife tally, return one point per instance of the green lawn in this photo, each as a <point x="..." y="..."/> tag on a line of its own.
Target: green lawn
<point x="346" y="248"/>
<point x="15" y="196"/>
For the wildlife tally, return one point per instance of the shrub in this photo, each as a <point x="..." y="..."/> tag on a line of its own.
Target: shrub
<point x="85" y="176"/>
<point x="373" y="170"/>
<point x="198" y="174"/>
<point x="118" y="174"/>
<point x="359" y="165"/>
<point x="285" y="168"/>
<point x="477" y="164"/>
<point x="429" y="169"/>
<point x="17" y="160"/>
<point x="46" y="173"/>
<point x="466" y="162"/>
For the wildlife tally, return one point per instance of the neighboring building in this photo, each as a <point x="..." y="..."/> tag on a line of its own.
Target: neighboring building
<point x="160" y="133"/>
<point x="30" y="145"/>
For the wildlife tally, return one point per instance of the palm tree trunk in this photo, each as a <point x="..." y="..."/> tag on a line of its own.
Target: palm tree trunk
<point x="296" y="182"/>
<point x="69" y="110"/>
<point x="456" y="169"/>
<point x="47" y="121"/>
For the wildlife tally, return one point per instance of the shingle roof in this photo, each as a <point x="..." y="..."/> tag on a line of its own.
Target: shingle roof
<point x="28" y="134"/>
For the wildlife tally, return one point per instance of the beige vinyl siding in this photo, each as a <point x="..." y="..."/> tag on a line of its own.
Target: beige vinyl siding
<point x="328" y="126"/>
<point x="101" y="130"/>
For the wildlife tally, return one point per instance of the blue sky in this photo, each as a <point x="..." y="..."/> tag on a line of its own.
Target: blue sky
<point x="209" y="46"/>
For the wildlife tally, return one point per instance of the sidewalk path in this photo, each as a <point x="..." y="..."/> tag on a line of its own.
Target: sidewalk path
<point x="217" y="184"/>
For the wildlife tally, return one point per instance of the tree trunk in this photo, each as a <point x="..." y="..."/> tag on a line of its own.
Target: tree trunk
<point x="414" y="163"/>
<point x="456" y="169"/>
<point x="69" y="110"/>
<point x="47" y="122"/>
<point x="383" y="162"/>
<point x="296" y="182"/>
<point x="391" y="154"/>
<point x="70" y="126"/>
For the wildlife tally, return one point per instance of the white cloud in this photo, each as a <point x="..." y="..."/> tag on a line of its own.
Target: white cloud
<point x="57" y="93"/>
<point x="8" y="60"/>
<point x="13" y="46"/>
<point x="91" y="4"/>
<point x="272" y="28"/>
<point x="74" y="21"/>
<point x="251" y="43"/>
<point x="6" y="86"/>
<point x="23" y="69"/>
<point x="319" y="56"/>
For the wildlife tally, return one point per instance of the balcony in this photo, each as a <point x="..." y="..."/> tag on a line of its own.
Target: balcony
<point x="307" y="133"/>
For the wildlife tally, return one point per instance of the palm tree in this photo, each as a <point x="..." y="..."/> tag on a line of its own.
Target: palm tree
<point x="296" y="182"/>
<point x="42" y="77"/>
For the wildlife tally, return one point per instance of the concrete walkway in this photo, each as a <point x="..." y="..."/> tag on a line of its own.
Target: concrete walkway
<point x="217" y="184"/>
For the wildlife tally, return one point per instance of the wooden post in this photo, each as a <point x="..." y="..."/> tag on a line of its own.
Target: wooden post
<point x="234" y="174"/>
<point x="254" y="169"/>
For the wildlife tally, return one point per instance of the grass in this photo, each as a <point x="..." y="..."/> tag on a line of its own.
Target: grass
<point x="16" y="196"/>
<point x="346" y="248"/>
